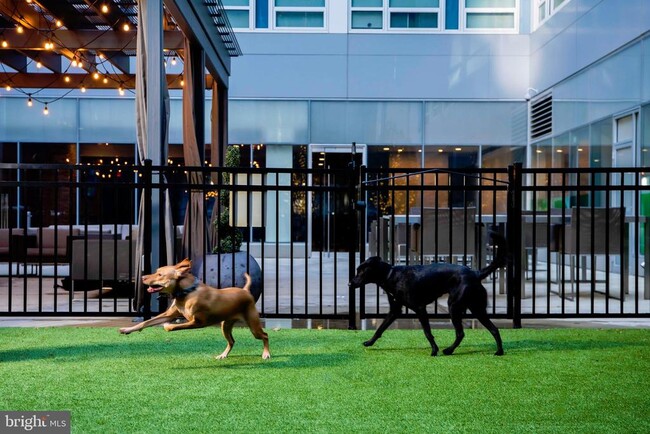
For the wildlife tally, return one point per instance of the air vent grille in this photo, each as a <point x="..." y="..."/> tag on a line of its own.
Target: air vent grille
<point x="541" y="117"/>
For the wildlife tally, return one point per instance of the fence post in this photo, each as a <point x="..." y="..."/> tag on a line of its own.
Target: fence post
<point x="361" y="218"/>
<point x="353" y="239"/>
<point x="145" y="227"/>
<point x="514" y="241"/>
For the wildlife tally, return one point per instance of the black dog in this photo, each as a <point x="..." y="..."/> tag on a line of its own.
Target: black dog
<point x="416" y="286"/>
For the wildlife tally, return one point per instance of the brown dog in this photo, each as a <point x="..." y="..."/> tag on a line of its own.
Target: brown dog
<point x="202" y="305"/>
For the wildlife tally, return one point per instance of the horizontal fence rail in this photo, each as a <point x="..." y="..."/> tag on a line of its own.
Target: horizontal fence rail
<point x="578" y="239"/>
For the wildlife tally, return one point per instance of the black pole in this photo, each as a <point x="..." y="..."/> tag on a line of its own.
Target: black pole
<point x="354" y="236"/>
<point x="514" y="239"/>
<point x="146" y="228"/>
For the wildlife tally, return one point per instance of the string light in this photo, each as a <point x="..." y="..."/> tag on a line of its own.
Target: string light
<point x="4" y="43"/>
<point x="105" y="80"/>
<point x="121" y="90"/>
<point x="96" y="75"/>
<point x="39" y="65"/>
<point x="126" y="27"/>
<point x="20" y="29"/>
<point x="7" y="88"/>
<point x="105" y="8"/>
<point x="46" y="111"/>
<point x="83" y="88"/>
<point x="66" y="79"/>
<point x="174" y="61"/>
<point x="29" y="101"/>
<point x="59" y="23"/>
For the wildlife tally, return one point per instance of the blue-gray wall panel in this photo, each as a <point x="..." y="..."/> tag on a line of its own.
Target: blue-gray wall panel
<point x="581" y="33"/>
<point x="432" y="66"/>
<point x="368" y="122"/>
<point x="268" y="122"/>
<point x="107" y="120"/>
<point x="20" y="123"/>
<point x="475" y="123"/>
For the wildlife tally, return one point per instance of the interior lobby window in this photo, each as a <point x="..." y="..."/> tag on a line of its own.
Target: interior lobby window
<point x="449" y="158"/>
<point x="401" y="14"/>
<point x="8" y="197"/>
<point x="239" y="13"/>
<point x="490" y="14"/>
<point x="97" y="202"/>
<point x="299" y="14"/>
<point x="48" y="205"/>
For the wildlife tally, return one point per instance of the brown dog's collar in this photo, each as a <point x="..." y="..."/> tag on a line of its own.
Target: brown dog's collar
<point x="182" y="292"/>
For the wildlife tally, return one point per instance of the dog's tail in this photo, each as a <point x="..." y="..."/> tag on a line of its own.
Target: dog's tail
<point x="499" y="259"/>
<point x="247" y="286"/>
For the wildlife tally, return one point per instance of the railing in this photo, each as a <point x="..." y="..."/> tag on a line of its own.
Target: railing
<point x="578" y="238"/>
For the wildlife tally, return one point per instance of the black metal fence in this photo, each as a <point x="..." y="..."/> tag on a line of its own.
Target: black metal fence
<point x="578" y="238"/>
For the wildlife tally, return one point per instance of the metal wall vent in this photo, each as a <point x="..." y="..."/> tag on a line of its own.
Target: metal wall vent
<point x="541" y="116"/>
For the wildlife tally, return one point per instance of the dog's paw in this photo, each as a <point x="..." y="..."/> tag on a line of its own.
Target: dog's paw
<point x="499" y="352"/>
<point x="223" y="356"/>
<point x="125" y="330"/>
<point x="266" y="355"/>
<point x="368" y="343"/>
<point x="448" y="351"/>
<point x="434" y="352"/>
<point x="168" y="327"/>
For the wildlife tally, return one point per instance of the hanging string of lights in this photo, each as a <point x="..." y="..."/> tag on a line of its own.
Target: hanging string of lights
<point x="100" y="68"/>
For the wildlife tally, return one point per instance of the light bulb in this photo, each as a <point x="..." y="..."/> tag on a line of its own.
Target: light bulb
<point x="5" y="44"/>
<point x="174" y="61"/>
<point x="29" y="102"/>
<point x="20" y="29"/>
<point x="46" y="111"/>
<point x="83" y="89"/>
<point x="105" y="8"/>
<point x="126" y="27"/>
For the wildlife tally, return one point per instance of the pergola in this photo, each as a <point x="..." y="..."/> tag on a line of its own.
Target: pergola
<point x="93" y="44"/>
<point x="122" y="44"/>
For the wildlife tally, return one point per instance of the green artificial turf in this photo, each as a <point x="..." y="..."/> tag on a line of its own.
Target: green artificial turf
<point x="554" y="381"/>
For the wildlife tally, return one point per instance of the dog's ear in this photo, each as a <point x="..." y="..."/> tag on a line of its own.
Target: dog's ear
<point x="184" y="267"/>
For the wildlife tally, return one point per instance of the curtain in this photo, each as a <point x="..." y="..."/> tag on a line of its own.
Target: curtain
<point x="143" y="146"/>
<point x="194" y="227"/>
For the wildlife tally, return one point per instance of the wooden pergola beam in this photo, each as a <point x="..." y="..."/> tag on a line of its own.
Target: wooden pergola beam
<point x="58" y="81"/>
<point x="84" y="40"/>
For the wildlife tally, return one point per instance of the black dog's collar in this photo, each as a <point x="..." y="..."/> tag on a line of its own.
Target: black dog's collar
<point x="182" y="292"/>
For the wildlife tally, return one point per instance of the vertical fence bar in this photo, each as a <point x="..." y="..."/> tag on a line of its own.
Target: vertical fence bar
<point x="513" y="230"/>
<point x="147" y="191"/>
<point x="354" y="238"/>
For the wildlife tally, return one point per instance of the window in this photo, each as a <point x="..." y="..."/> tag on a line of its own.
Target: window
<point x="299" y="14"/>
<point x="545" y="8"/>
<point x="395" y="14"/>
<point x="239" y="13"/>
<point x="490" y="14"/>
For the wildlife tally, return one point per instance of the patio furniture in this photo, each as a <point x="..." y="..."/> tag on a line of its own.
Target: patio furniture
<point x="593" y="233"/>
<point x="447" y="235"/>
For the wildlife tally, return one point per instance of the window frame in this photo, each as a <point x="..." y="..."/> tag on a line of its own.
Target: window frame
<point x="273" y="9"/>
<point x="465" y="11"/>
<point x="549" y="8"/>
<point x="386" y="12"/>
<point x="251" y="15"/>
